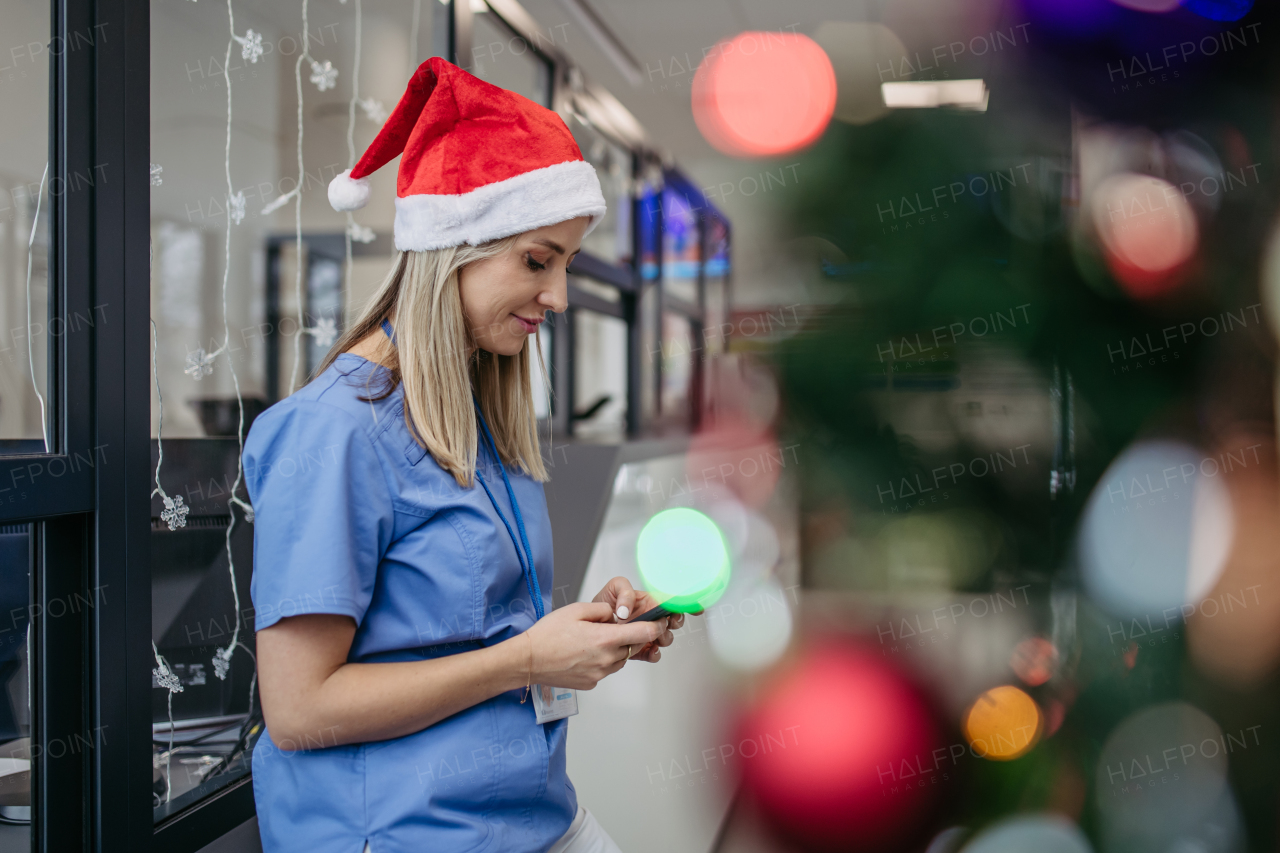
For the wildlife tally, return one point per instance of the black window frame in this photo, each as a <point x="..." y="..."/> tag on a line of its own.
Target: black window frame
<point x="88" y="498"/>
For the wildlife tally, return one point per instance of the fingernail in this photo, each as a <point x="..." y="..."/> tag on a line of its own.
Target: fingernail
<point x="656" y="654"/>
<point x="623" y="612"/>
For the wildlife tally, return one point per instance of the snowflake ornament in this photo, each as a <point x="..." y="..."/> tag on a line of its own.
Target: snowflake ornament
<point x="325" y="331"/>
<point x="175" y="512"/>
<point x="235" y="207"/>
<point x="166" y="677"/>
<point x="156" y="169"/>
<point x="199" y="364"/>
<point x="373" y="110"/>
<point x="325" y="76"/>
<point x="250" y="46"/>
<point x="361" y="233"/>
<point x="222" y="662"/>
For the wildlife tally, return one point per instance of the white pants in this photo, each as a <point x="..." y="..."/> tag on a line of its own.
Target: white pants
<point x="585" y="835"/>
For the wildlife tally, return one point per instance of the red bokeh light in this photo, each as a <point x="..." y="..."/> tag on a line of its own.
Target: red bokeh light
<point x="1034" y="660"/>
<point x="762" y="94"/>
<point x="857" y="735"/>
<point x="1148" y="232"/>
<point x="746" y="461"/>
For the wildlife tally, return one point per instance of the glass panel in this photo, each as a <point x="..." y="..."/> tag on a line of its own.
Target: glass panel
<point x="689" y="802"/>
<point x="611" y="238"/>
<point x="24" y="226"/>
<point x="504" y="59"/>
<point x="600" y="375"/>
<point x="15" y="706"/>
<point x="540" y="374"/>
<point x="322" y="308"/>
<point x="677" y="367"/>
<point x="650" y="220"/>
<point x="607" y="292"/>
<point x="717" y="247"/>
<point x="194" y="613"/>
<point x="680" y="249"/>
<point x="716" y="283"/>
<point x="253" y="277"/>
<point x="651" y="351"/>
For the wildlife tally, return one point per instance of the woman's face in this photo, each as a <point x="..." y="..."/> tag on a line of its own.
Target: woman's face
<point x="505" y="297"/>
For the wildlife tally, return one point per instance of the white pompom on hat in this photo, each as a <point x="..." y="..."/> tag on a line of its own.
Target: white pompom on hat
<point x="348" y="193"/>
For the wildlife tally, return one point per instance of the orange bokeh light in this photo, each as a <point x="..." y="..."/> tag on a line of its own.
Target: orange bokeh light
<point x="761" y="94"/>
<point x="1148" y="232"/>
<point x="1003" y="724"/>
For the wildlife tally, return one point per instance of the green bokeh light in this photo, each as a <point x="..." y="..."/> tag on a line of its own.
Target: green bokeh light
<point x="683" y="559"/>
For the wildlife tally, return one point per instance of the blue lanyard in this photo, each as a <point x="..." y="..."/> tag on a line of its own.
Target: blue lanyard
<point x="527" y="568"/>
<point x="530" y="575"/>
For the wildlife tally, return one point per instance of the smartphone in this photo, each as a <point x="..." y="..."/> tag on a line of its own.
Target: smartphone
<point x="655" y="613"/>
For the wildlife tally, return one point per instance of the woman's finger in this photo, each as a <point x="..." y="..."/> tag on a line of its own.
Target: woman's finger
<point x="638" y="633"/>
<point x="644" y="602"/>
<point x="666" y="639"/>
<point x="624" y="595"/>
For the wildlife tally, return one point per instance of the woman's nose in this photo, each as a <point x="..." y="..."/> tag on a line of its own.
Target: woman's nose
<point x="556" y="297"/>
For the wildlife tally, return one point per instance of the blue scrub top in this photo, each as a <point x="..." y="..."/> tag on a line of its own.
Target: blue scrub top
<point x="352" y="516"/>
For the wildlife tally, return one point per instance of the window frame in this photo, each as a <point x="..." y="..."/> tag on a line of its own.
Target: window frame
<point x="90" y="677"/>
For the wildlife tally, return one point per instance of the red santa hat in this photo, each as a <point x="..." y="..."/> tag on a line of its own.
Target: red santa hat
<point x="477" y="163"/>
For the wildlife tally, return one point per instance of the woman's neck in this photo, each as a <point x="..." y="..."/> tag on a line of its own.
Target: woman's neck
<point x="374" y="347"/>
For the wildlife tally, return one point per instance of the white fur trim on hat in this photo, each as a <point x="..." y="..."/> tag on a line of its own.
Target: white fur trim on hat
<point x="530" y="200"/>
<point x="347" y="193"/>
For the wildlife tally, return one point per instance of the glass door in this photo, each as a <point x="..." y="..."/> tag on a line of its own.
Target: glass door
<point x="24" y="230"/>
<point x="254" y="109"/>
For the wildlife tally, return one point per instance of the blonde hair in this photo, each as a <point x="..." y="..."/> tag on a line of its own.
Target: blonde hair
<point x="431" y="361"/>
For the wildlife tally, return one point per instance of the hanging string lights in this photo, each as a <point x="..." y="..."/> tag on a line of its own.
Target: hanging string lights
<point x="200" y="363"/>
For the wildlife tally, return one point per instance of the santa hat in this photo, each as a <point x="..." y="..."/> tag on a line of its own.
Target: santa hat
<point x="477" y="163"/>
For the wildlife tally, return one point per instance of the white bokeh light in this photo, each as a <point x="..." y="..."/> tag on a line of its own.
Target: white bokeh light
<point x="1042" y="833"/>
<point x="1156" y="530"/>
<point x="1161" y="782"/>
<point x="750" y="626"/>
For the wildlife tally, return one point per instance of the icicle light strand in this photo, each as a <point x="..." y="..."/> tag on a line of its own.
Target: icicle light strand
<point x="351" y="137"/>
<point x="175" y="515"/>
<point x="222" y="656"/>
<point x="31" y="359"/>
<point x="297" y="205"/>
<point x="175" y="511"/>
<point x="170" y="681"/>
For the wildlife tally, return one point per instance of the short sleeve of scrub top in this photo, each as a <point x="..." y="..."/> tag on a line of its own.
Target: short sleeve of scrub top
<point x="353" y="517"/>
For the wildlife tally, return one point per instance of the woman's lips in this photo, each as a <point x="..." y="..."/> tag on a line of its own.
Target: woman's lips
<point x="527" y="326"/>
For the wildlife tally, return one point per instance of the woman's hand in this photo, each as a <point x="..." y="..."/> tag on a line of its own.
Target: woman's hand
<point x="626" y="601"/>
<point x="579" y="644"/>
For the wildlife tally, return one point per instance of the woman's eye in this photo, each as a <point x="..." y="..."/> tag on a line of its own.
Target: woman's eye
<point x="532" y="264"/>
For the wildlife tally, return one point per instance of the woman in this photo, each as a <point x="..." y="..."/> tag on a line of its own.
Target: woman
<point x="402" y="624"/>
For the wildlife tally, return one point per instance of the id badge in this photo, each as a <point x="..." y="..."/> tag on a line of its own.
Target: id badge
<point x="554" y="703"/>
